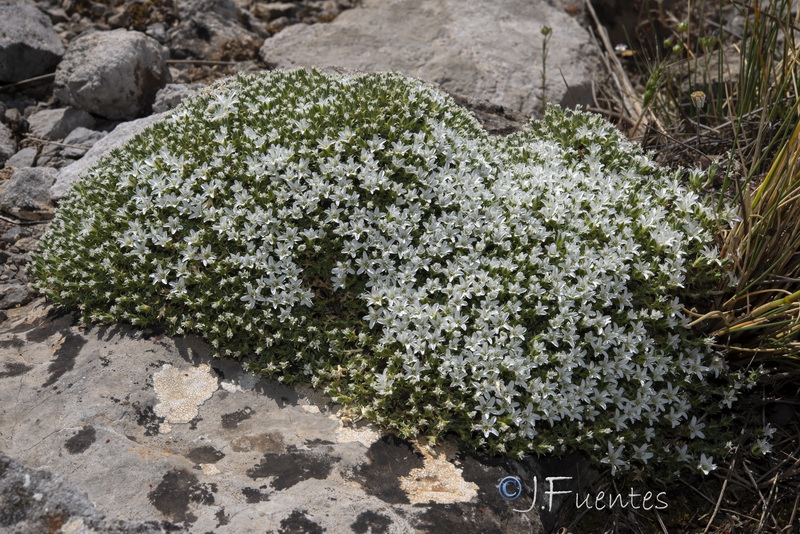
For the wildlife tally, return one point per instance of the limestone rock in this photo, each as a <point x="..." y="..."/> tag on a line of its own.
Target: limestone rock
<point x="56" y="124"/>
<point x="14" y="234"/>
<point x="114" y="74"/>
<point x="28" y="44"/>
<point x="258" y="456"/>
<point x="7" y="144"/>
<point x="81" y="137"/>
<point x="173" y="94"/>
<point x="213" y="29"/>
<point x="273" y="10"/>
<point x="189" y="9"/>
<point x="33" y="500"/>
<point x="23" y="158"/>
<point x="120" y="135"/>
<point x="486" y="50"/>
<point x="27" y="194"/>
<point x="14" y="295"/>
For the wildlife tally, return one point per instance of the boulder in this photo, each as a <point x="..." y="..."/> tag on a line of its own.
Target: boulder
<point x="157" y="31"/>
<point x="213" y="29"/>
<point x="114" y="74"/>
<point x="7" y="144"/>
<point x="14" y="295"/>
<point x="120" y="135"/>
<point x="14" y="234"/>
<point x="29" y="46"/>
<point x="173" y="94"/>
<point x="27" y="194"/>
<point x="41" y="499"/>
<point x="56" y="124"/>
<point x="485" y="50"/>
<point x="254" y="453"/>
<point x="272" y="10"/>
<point x="81" y="137"/>
<point x="24" y="158"/>
<point x="226" y="9"/>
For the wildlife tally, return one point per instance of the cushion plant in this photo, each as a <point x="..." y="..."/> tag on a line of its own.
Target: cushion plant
<point x="363" y="233"/>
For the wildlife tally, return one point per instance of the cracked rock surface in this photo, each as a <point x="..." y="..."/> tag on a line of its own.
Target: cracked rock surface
<point x="256" y="456"/>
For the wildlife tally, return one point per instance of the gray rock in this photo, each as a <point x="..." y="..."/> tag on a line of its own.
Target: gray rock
<point x="485" y="50"/>
<point x="119" y="136"/>
<point x="173" y="94"/>
<point x="51" y="156"/>
<point x="210" y="29"/>
<point x="81" y="137"/>
<point x="28" y="44"/>
<point x="272" y="10"/>
<point x="84" y="136"/>
<point x="7" y="144"/>
<point x="56" y="14"/>
<point x="14" y="295"/>
<point x="12" y="115"/>
<point x="24" y="158"/>
<point x="36" y="499"/>
<point x="14" y="234"/>
<point x="257" y="455"/>
<point x="56" y="124"/>
<point x="157" y="31"/>
<point x="189" y="9"/>
<point x="114" y="74"/>
<point x="27" y="194"/>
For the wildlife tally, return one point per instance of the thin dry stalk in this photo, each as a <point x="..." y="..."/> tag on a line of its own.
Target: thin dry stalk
<point x="721" y="496"/>
<point x="628" y="96"/>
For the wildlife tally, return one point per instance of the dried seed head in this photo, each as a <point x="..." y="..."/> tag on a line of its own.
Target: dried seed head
<point x="698" y="99"/>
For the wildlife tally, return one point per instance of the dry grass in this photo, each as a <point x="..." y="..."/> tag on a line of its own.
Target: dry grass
<point x="747" y="135"/>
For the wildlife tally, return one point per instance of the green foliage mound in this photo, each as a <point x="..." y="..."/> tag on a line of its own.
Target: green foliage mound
<point x="363" y="233"/>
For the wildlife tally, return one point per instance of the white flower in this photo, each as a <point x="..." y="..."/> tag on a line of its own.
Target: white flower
<point x="161" y="275"/>
<point x="763" y="447"/>
<point x="706" y="464"/>
<point x="683" y="454"/>
<point x="695" y="428"/>
<point x="641" y="453"/>
<point x="614" y="458"/>
<point x="222" y="105"/>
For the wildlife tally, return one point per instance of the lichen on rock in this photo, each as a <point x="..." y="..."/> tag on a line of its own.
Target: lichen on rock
<point x="181" y="391"/>
<point x="363" y="233"/>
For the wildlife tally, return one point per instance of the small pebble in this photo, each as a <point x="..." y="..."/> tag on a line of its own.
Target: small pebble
<point x="15" y="233"/>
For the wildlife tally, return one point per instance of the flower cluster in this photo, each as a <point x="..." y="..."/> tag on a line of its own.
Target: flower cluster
<point x="362" y="232"/>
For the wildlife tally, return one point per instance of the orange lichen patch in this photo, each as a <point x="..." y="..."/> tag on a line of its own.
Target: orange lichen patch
<point x="345" y="434"/>
<point x="181" y="391"/>
<point x="439" y="480"/>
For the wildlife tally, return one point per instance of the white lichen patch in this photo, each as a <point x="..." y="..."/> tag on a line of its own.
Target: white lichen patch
<point x="310" y="408"/>
<point x="439" y="480"/>
<point x="181" y="391"/>
<point x="209" y="469"/>
<point x="230" y="387"/>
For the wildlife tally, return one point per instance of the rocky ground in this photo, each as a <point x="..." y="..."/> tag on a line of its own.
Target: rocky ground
<point x="78" y="77"/>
